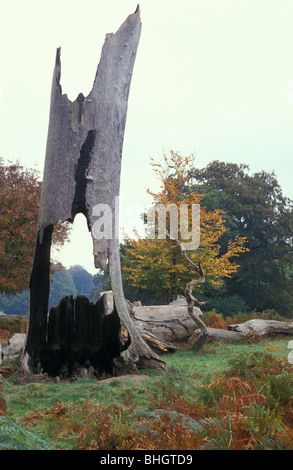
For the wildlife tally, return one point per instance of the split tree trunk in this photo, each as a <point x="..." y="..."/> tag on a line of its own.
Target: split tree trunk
<point x="82" y="175"/>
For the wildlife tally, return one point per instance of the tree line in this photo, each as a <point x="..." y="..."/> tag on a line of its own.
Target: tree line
<point x="245" y="241"/>
<point x="75" y="280"/>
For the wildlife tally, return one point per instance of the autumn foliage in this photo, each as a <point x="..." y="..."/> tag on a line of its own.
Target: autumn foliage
<point x="156" y="264"/>
<point x="20" y="192"/>
<point x="248" y="407"/>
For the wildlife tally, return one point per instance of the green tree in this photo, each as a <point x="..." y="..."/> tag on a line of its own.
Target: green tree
<point x="63" y="282"/>
<point x="157" y="265"/>
<point x="256" y="209"/>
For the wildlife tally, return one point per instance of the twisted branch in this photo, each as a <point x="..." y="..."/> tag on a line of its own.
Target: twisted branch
<point x="198" y="339"/>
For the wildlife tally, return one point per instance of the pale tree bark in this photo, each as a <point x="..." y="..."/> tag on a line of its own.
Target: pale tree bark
<point x="165" y="326"/>
<point x="258" y="328"/>
<point x="82" y="171"/>
<point x="201" y="335"/>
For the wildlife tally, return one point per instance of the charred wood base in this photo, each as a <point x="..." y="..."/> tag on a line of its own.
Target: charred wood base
<point x="81" y="340"/>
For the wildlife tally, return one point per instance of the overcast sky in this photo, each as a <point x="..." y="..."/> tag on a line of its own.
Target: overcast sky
<point x="211" y="77"/>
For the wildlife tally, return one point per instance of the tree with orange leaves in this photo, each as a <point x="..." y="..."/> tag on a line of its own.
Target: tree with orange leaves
<point x="161" y="266"/>
<point x="20" y="192"/>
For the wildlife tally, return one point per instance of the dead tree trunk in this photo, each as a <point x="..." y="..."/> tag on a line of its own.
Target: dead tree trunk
<point x="39" y="295"/>
<point x="82" y="175"/>
<point x="164" y="326"/>
<point x="258" y="328"/>
<point x="82" y="340"/>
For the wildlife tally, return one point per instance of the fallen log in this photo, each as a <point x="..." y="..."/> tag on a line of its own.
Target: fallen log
<point x="157" y="344"/>
<point x="165" y="326"/>
<point x="224" y="335"/>
<point x="260" y="328"/>
<point x="171" y="325"/>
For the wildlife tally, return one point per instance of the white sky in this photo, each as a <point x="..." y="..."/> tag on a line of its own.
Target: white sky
<point x="211" y="77"/>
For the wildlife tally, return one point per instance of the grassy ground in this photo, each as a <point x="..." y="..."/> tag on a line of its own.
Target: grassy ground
<point x="237" y="396"/>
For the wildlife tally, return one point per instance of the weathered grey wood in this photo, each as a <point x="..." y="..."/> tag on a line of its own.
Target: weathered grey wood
<point x="138" y="354"/>
<point x="82" y="170"/>
<point x="171" y="323"/>
<point x="157" y="344"/>
<point x="258" y="327"/>
<point x="202" y="335"/>
<point x="85" y="138"/>
<point x="225" y="335"/>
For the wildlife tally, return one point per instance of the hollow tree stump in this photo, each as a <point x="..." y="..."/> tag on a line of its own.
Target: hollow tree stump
<point x="82" y="340"/>
<point x="82" y="175"/>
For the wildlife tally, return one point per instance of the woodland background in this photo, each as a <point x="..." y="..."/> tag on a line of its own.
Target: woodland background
<point x="246" y="242"/>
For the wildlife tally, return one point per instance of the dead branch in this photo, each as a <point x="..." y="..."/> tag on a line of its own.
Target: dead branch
<point x="201" y="338"/>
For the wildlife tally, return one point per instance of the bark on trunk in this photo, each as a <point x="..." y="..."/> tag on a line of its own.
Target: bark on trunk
<point x="164" y="326"/>
<point x="218" y="334"/>
<point x="260" y="328"/>
<point x="171" y="323"/>
<point x="82" y="175"/>
<point x="202" y="335"/>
